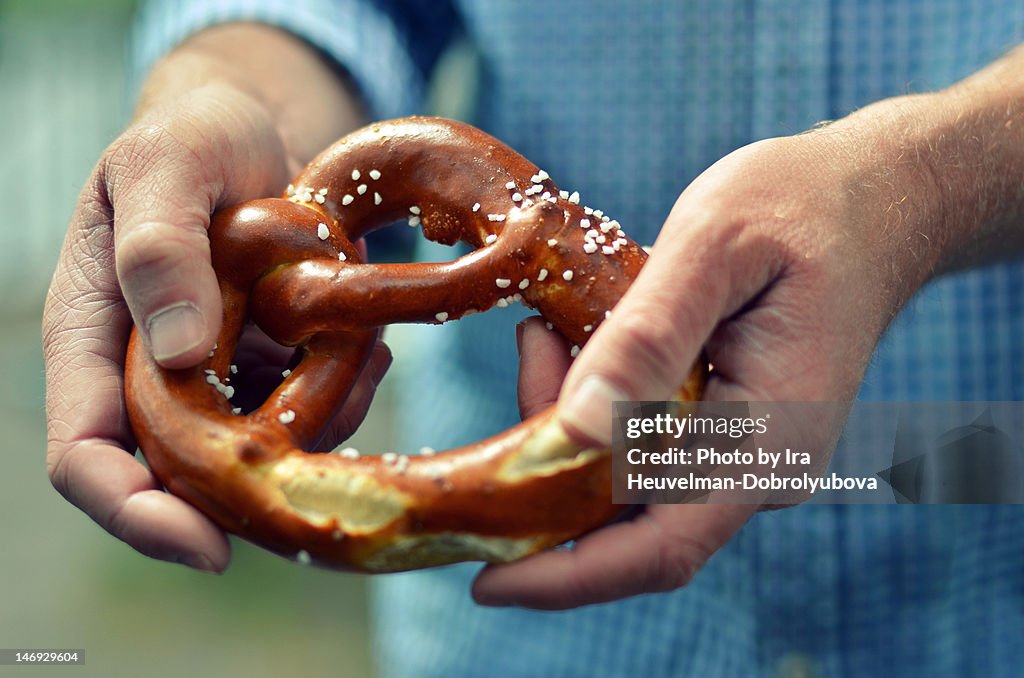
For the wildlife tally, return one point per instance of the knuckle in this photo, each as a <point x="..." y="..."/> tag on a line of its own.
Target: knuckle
<point x="118" y="522"/>
<point x="148" y="157"/>
<point x="580" y="589"/>
<point x="80" y="323"/>
<point x="131" y="156"/>
<point x="83" y="287"/>
<point x="93" y="211"/>
<point x="156" y="250"/>
<point x="140" y="148"/>
<point x="677" y="560"/>
<point x="649" y="338"/>
<point x="55" y="469"/>
<point x="58" y="461"/>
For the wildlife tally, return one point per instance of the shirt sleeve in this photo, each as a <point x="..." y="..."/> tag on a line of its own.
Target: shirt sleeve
<point x="388" y="47"/>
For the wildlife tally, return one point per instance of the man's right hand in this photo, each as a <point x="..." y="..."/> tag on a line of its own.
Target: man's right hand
<point x="137" y="249"/>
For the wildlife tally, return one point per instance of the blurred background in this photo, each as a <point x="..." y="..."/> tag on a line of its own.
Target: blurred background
<point x="64" y="582"/>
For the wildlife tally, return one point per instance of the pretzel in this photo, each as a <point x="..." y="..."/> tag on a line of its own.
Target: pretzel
<point x="288" y="264"/>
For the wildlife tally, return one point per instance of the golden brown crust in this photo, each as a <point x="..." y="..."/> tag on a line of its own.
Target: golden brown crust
<point x="290" y="265"/>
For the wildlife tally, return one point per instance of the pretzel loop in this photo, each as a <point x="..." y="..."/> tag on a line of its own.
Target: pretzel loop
<point x="289" y="265"/>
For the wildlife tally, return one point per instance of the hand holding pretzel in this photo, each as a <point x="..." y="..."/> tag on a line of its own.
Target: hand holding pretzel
<point x="205" y="135"/>
<point x="291" y="265"/>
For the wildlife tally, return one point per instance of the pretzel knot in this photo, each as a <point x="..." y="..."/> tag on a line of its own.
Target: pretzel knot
<point x="288" y="264"/>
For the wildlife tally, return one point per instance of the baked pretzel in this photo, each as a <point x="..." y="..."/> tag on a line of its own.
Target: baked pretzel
<point x="289" y="265"/>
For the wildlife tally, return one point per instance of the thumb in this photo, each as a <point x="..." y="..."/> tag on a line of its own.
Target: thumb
<point x="642" y="352"/>
<point x="164" y="179"/>
<point x="163" y="264"/>
<point x="648" y="345"/>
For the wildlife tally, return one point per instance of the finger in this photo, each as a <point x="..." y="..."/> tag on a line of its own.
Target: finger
<point x="364" y="254"/>
<point x="699" y="273"/>
<point x="543" y="362"/>
<point x="124" y="498"/>
<point x="85" y="331"/>
<point x="359" y="400"/>
<point x="659" y="550"/>
<point x="84" y="341"/>
<point x="164" y="180"/>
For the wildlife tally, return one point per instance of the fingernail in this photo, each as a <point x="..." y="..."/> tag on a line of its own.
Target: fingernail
<point x="175" y="330"/>
<point x="197" y="561"/>
<point x="589" y="409"/>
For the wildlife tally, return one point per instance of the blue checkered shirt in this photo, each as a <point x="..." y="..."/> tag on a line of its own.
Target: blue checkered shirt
<point x="627" y="101"/>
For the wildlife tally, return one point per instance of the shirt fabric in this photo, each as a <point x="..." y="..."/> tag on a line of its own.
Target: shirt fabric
<point x="627" y="102"/>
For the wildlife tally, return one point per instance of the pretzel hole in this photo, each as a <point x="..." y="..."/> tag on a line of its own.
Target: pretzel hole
<point x="260" y="365"/>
